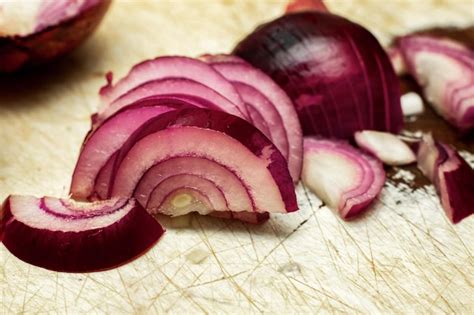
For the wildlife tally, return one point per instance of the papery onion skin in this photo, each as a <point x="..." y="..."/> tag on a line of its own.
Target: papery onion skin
<point x="445" y="70"/>
<point x="329" y="165"/>
<point x="17" y="52"/>
<point x="452" y="177"/>
<point x="337" y="74"/>
<point x="62" y="245"/>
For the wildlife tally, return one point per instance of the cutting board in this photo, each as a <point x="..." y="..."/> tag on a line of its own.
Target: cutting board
<point x="402" y="256"/>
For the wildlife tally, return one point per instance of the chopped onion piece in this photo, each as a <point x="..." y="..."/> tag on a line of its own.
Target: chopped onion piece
<point x="412" y="104"/>
<point x="385" y="146"/>
<point x="305" y="5"/>
<point x="63" y="235"/>
<point x="346" y="179"/>
<point x="445" y="71"/>
<point x="397" y="61"/>
<point x="452" y="177"/>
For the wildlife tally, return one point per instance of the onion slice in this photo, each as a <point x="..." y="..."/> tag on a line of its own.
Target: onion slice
<point x="445" y="71"/>
<point x="170" y="67"/>
<point x="452" y="177"/>
<point x="261" y="93"/>
<point x="219" y="139"/>
<point x="63" y="235"/>
<point x="336" y="73"/>
<point x="385" y="146"/>
<point x="346" y="179"/>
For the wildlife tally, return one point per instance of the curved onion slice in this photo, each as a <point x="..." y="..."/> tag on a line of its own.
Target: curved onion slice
<point x="105" y="140"/>
<point x="445" y="71"/>
<point x="346" y="179"/>
<point x="51" y="30"/>
<point x="452" y="177"/>
<point x="62" y="235"/>
<point x="260" y="91"/>
<point x="385" y="146"/>
<point x="337" y="74"/>
<point x="220" y="138"/>
<point x="170" y="67"/>
<point x="170" y="87"/>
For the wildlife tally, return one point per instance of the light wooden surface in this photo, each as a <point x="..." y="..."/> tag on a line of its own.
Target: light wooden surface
<point x="402" y="257"/>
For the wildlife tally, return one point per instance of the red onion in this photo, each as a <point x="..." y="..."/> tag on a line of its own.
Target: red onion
<point x="452" y="177"/>
<point x="337" y="74"/>
<point x="59" y="27"/>
<point x="62" y="235"/>
<point x="170" y="67"/>
<point x="445" y="71"/>
<point x="385" y="146"/>
<point x="346" y="179"/>
<point x="263" y="95"/>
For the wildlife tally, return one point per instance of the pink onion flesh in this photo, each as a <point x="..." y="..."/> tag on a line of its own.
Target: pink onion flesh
<point x="452" y="177"/>
<point x="261" y="93"/>
<point x="170" y="67"/>
<point x="445" y="71"/>
<point x="346" y="179"/>
<point x="63" y="235"/>
<point x="385" y="146"/>
<point x="337" y="74"/>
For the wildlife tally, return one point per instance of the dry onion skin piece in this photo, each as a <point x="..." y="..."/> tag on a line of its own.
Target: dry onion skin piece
<point x="452" y="177"/>
<point x="445" y="71"/>
<point x="385" y="146"/>
<point x="262" y="94"/>
<point x="344" y="178"/>
<point x="63" y="235"/>
<point x="236" y="157"/>
<point x="169" y="67"/>
<point x="305" y="5"/>
<point x="53" y="29"/>
<point x="337" y="74"/>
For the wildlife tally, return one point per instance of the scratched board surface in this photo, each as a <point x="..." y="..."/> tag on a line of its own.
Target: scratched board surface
<point x="402" y="256"/>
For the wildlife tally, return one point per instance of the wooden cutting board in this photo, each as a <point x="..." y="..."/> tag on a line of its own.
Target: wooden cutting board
<point x="403" y="256"/>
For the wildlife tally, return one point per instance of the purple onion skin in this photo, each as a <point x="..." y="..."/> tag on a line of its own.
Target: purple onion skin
<point x="344" y="83"/>
<point x="234" y="127"/>
<point x="86" y="251"/>
<point x="18" y="52"/>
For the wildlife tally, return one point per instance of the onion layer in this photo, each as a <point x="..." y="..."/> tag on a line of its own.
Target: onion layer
<point x="337" y="74"/>
<point x="62" y="235"/>
<point x="346" y="179"/>
<point x="452" y="177"/>
<point x="445" y="71"/>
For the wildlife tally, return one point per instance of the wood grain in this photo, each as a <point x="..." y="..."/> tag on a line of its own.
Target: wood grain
<point x="403" y="256"/>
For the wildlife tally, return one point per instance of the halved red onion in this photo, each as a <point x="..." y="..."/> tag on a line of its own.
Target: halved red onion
<point x="445" y="71"/>
<point x="346" y="179"/>
<point x="170" y="67"/>
<point x="219" y="138"/>
<point x="63" y="235"/>
<point x="337" y="74"/>
<point x="305" y="5"/>
<point x="171" y="87"/>
<point x="452" y="177"/>
<point x="385" y="146"/>
<point x="51" y="30"/>
<point x="104" y="141"/>
<point x="264" y="95"/>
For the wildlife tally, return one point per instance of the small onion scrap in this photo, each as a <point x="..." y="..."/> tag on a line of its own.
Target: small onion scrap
<point x="385" y="146"/>
<point x="305" y="5"/>
<point x="445" y="71"/>
<point x="452" y="177"/>
<point x="344" y="178"/>
<point x="62" y="235"/>
<point x="336" y="73"/>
